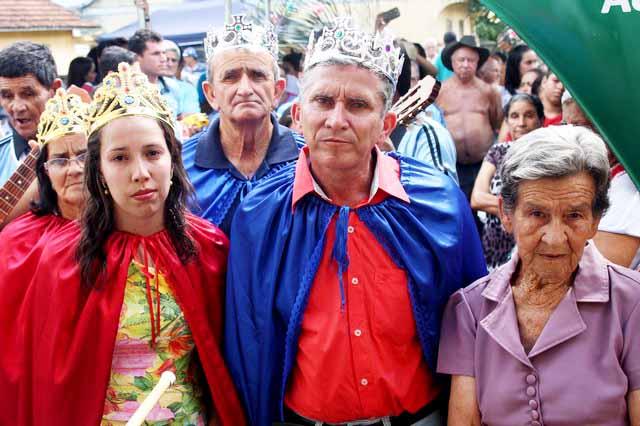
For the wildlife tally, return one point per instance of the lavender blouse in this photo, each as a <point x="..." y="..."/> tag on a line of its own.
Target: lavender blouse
<point x="581" y="368"/>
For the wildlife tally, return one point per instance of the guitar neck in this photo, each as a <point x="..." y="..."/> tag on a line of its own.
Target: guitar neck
<point x="18" y="183"/>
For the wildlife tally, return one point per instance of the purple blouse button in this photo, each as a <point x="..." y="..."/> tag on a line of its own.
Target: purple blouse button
<point x="534" y="423"/>
<point x="531" y="379"/>
<point x="533" y="404"/>
<point x="531" y="391"/>
<point x="535" y="415"/>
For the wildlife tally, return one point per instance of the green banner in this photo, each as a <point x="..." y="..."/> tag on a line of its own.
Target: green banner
<point x="594" y="48"/>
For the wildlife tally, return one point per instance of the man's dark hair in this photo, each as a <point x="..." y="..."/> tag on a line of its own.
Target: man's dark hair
<point x="138" y="41"/>
<point x="24" y="57"/>
<point x="449" y="37"/>
<point x="112" y="56"/>
<point x="295" y="59"/>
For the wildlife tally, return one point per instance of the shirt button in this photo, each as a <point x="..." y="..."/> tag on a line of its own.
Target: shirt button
<point x="358" y="332"/>
<point x="535" y="415"/>
<point x="531" y="379"/>
<point x="354" y="281"/>
<point x="350" y="229"/>
<point x="533" y="404"/>
<point x="364" y="382"/>
<point x="531" y="391"/>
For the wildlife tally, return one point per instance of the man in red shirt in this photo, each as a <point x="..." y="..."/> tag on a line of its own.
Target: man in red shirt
<point x="341" y="264"/>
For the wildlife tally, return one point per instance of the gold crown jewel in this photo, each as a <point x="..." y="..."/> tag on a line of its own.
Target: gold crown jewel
<point x="64" y="114"/>
<point x="240" y="33"/>
<point x="125" y="93"/>
<point x="343" y="41"/>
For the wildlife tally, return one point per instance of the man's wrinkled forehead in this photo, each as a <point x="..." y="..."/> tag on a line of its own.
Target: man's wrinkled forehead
<point x="465" y="52"/>
<point x="241" y="57"/>
<point x="25" y="82"/>
<point x="322" y="82"/>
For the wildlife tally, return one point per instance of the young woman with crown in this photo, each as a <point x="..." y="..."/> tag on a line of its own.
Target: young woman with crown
<point x="62" y="134"/>
<point x="139" y="289"/>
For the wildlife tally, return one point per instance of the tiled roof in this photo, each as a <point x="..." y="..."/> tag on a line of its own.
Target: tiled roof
<point x="38" y="15"/>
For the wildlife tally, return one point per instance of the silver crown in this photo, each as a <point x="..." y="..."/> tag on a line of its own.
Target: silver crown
<point x="374" y="51"/>
<point x="241" y="34"/>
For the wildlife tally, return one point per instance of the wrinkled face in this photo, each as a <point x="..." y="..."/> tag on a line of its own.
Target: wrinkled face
<point x="465" y="63"/>
<point x="522" y="119"/>
<point x="172" y="63"/>
<point x="527" y="81"/>
<point x="551" y="223"/>
<point x="136" y="166"/>
<point x="529" y="61"/>
<point x="341" y="116"/>
<point x="244" y="88"/>
<point x="65" y="168"/>
<point x="490" y="71"/>
<point x="552" y="89"/>
<point x="153" y="61"/>
<point x="24" y="99"/>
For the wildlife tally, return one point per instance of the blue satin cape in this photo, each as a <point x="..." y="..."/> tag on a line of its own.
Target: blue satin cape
<point x="218" y="185"/>
<point x="275" y="253"/>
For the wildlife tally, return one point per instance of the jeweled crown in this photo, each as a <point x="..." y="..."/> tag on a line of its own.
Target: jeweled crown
<point x="125" y="93"/>
<point x="64" y="114"/>
<point x="374" y="51"/>
<point x="240" y="33"/>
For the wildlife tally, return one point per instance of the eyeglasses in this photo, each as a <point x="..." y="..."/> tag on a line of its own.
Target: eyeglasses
<point x="63" y="163"/>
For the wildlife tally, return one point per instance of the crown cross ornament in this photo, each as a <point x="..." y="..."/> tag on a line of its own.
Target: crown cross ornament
<point x="64" y="114"/>
<point x="126" y="93"/>
<point x="343" y="41"/>
<point x="241" y="33"/>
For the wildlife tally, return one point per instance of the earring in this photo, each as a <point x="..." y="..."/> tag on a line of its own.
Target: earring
<point x="104" y="186"/>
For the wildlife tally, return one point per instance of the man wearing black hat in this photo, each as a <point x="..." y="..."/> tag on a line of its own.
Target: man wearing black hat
<point x="471" y="107"/>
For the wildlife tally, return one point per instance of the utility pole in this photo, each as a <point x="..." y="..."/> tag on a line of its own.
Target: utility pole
<point x="227" y="10"/>
<point x="144" y="20"/>
<point x="268" y="10"/>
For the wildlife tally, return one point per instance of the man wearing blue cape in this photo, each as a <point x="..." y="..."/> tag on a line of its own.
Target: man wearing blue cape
<point x="342" y="263"/>
<point x="245" y="144"/>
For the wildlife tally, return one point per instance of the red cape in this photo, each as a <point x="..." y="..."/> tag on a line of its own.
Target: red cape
<point x="73" y="330"/>
<point x="21" y="244"/>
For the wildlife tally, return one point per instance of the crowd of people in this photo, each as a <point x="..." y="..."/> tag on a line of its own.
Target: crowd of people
<point x="295" y="257"/>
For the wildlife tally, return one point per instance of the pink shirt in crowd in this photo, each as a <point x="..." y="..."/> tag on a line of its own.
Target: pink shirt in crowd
<point x="585" y="362"/>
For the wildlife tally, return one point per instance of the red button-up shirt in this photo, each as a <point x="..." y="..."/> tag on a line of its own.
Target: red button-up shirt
<point x="363" y="361"/>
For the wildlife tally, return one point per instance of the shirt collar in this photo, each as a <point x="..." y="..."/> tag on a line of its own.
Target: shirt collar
<point x="386" y="177"/>
<point x="591" y="283"/>
<point x="20" y="144"/>
<point x="210" y="155"/>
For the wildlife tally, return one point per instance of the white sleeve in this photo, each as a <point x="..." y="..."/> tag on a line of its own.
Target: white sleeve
<point x="622" y="216"/>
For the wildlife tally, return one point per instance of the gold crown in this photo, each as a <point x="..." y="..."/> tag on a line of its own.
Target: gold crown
<point x="64" y="114"/>
<point x="125" y="93"/>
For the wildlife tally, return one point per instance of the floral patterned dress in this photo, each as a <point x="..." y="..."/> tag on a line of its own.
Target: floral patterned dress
<point x="496" y="242"/>
<point x="138" y="362"/>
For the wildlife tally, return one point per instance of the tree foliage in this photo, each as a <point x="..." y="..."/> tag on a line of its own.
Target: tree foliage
<point x="488" y="26"/>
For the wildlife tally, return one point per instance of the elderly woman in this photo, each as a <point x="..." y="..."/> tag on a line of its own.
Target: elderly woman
<point x="553" y="336"/>
<point x="59" y="171"/>
<point x="523" y="114"/>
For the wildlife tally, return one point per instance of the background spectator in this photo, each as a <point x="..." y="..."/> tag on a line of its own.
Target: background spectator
<point x="521" y="59"/>
<point x="112" y="56"/>
<point x="82" y="73"/>
<point x="523" y="113"/>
